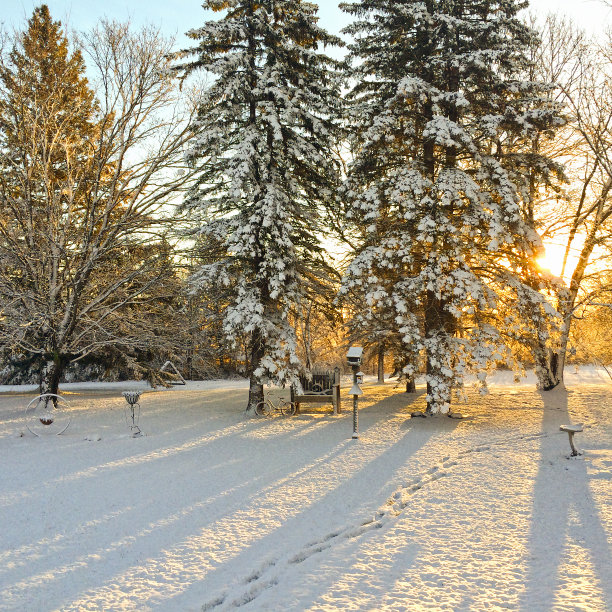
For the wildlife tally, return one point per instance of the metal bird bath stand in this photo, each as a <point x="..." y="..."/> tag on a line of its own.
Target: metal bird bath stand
<point x="132" y="413"/>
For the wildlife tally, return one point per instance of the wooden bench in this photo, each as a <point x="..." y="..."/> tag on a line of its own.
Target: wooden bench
<point x="322" y="388"/>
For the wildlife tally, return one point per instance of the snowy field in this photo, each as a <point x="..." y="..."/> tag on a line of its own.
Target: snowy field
<point x="213" y="511"/>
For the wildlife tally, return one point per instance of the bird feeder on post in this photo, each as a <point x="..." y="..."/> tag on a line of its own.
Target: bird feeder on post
<point x="354" y="357"/>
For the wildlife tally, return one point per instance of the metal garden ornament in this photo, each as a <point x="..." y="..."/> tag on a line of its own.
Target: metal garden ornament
<point x="132" y="412"/>
<point x="48" y="414"/>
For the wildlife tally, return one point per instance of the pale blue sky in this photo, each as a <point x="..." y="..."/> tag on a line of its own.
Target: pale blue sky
<point x="175" y="16"/>
<point x="178" y="16"/>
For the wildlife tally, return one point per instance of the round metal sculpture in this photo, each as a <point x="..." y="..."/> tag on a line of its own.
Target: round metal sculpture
<point x="132" y="412"/>
<point x="48" y="414"/>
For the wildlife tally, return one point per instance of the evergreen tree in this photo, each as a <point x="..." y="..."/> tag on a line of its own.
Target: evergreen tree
<point x="438" y="109"/>
<point x="46" y="85"/>
<point x="264" y="137"/>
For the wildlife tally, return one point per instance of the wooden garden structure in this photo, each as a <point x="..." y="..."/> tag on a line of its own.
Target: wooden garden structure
<point x="322" y="388"/>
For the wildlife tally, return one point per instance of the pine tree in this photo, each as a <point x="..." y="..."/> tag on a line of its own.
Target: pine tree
<point x="263" y="147"/>
<point x="438" y="104"/>
<point x="43" y="77"/>
<point x="46" y="118"/>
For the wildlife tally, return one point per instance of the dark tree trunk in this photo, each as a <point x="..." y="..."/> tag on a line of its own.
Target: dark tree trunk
<point x="410" y="385"/>
<point x="550" y="362"/>
<point x="381" y="363"/>
<point x="256" y="390"/>
<point x="52" y="373"/>
<point x="549" y="369"/>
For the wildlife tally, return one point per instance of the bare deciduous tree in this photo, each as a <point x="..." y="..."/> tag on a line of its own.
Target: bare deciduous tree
<point x="581" y="218"/>
<point x="86" y="177"/>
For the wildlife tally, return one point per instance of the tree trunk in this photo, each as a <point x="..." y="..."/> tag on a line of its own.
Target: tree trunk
<point x="559" y="365"/>
<point x="547" y="369"/>
<point x="410" y="385"/>
<point x="52" y="373"/>
<point x="433" y="310"/>
<point x="381" y="363"/>
<point x="256" y="390"/>
<point x="439" y="327"/>
<point x="550" y="369"/>
<point x="551" y="363"/>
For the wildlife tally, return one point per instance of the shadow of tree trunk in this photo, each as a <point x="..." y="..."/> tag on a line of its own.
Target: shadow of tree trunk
<point x="564" y="515"/>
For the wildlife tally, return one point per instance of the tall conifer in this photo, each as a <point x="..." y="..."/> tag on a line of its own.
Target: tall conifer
<point x="47" y="123"/>
<point x="440" y="110"/>
<point x="264" y="138"/>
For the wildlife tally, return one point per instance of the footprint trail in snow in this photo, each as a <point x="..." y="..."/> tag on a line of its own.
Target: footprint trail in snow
<point x="270" y="572"/>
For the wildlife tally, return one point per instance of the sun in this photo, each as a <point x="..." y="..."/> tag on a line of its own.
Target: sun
<point x="552" y="259"/>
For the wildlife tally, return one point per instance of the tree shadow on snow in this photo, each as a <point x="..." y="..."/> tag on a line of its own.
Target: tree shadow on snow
<point x="188" y="518"/>
<point x="564" y="514"/>
<point x="338" y="516"/>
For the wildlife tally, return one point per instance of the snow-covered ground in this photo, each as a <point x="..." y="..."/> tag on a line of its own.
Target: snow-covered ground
<point x="211" y="510"/>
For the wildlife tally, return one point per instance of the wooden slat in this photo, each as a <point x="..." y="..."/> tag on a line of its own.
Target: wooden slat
<point x="313" y="399"/>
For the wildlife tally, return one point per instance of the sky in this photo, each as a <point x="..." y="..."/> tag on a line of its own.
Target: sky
<point x="175" y="17"/>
